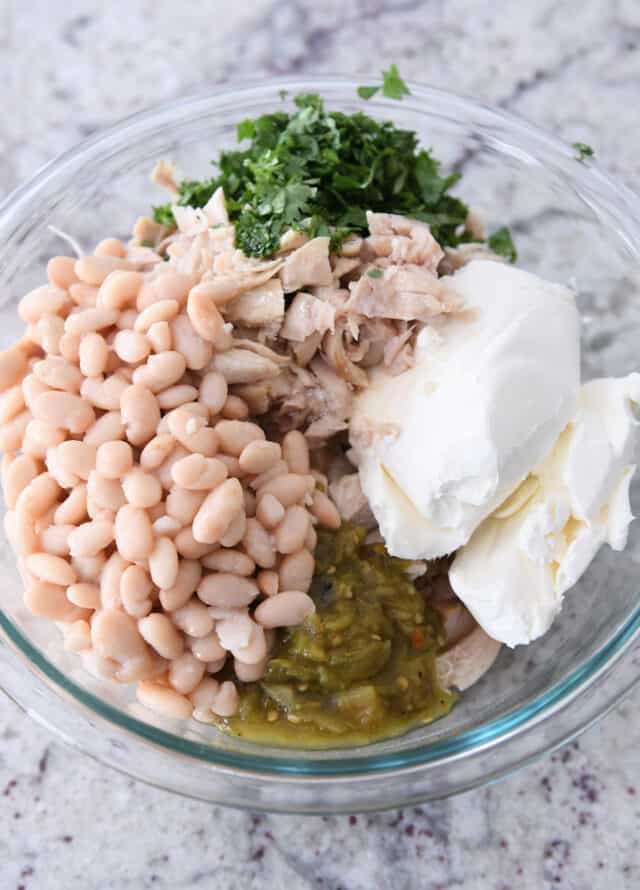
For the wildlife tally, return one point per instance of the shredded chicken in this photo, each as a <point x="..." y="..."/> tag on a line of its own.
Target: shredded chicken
<point x="331" y="401"/>
<point x="243" y="366"/>
<point x="292" y="239"/>
<point x="262" y="305"/>
<point x="467" y="660"/>
<point x="143" y="256"/>
<point x="308" y="265"/>
<point x="398" y="352"/>
<point x="326" y="337"/>
<point x="403" y="240"/>
<point x="216" y="209"/>
<point x="315" y="399"/>
<point x="308" y="315"/>
<point x="262" y="350"/>
<point x="457" y="257"/>
<point x="147" y="230"/>
<point x="351" y="246"/>
<point x="333" y="349"/>
<point x="164" y="174"/>
<point x="306" y="350"/>
<point x="351" y="502"/>
<point x="408" y="293"/>
<point x="344" y="265"/>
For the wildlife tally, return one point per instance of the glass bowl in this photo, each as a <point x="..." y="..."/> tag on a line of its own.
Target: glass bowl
<point x="571" y="224"/>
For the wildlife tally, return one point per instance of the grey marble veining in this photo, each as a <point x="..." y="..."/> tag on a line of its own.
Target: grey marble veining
<point x="571" y="821"/>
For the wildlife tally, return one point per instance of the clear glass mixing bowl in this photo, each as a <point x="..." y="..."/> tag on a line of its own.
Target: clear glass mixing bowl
<point x="571" y="224"/>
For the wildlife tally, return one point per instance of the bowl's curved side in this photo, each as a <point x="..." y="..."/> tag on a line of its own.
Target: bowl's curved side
<point x="320" y="787"/>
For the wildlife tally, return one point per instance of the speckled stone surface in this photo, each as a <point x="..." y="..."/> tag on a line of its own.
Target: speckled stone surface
<point x="570" y="822"/>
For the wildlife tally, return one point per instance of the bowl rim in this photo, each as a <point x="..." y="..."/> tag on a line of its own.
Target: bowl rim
<point x="518" y="721"/>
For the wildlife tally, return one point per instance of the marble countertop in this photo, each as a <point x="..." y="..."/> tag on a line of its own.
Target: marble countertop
<point x="569" y="822"/>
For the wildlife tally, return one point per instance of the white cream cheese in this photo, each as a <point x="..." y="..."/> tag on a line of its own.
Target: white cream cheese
<point x="440" y="446"/>
<point x="515" y="569"/>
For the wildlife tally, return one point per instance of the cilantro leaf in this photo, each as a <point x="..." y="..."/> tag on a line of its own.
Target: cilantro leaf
<point x="583" y="150"/>
<point x="501" y="243"/>
<point x="393" y="86"/>
<point x="375" y="273"/>
<point x="245" y="130"/>
<point x="367" y="92"/>
<point x="163" y="214"/>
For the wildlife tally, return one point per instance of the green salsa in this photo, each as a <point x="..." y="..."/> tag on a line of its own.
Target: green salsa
<point x="361" y="668"/>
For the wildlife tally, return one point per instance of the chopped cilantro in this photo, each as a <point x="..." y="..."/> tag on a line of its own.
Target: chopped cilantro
<point x="393" y="86"/>
<point x="283" y="94"/>
<point x="147" y="243"/>
<point x="375" y="273"/>
<point x="583" y="150"/>
<point x="245" y="130"/>
<point x="164" y="215"/>
<point x="367" y="92"/>
<point x="319" y="171"/>
<point x="501" y="242"/>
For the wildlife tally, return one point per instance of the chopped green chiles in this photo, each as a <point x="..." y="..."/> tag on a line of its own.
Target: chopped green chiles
<point x="361" y="668"/>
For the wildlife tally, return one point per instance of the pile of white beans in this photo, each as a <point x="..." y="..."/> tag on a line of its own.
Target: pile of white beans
<point x="153" y="522"/>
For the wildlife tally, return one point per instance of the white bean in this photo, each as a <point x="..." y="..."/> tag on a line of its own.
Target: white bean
<point x="185" y="585"/>
<point x="93" y="354"/>
<point x="193" y="618"/>
<point x="217" y="512"/>
<point x="134" y="533"/>
<point x="160" y="371"/>
<point x="53" y="569"/>
<point x="226" y="590"/>
<point x="286" y="609"/>
<point x="140" y="414"/>
<point x="142" y="489"/>
<point x="185" y="673"/>
<point x="159" y="632"/>
<point x="163" y="700"/>
<point x="163" y="563"/>
<point x="90" y="538"/>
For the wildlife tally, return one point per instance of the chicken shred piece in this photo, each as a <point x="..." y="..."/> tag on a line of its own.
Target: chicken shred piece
<point x="306" y="350"/>
<point x="263" y="350"/>
<point x="143" y="256"/>
<point x="466" y="661"/>
<point x="216" y="209"/>
<point x="292" y="239"/>
<point x="307" y="315"/>
<point x="262" y="305"/>
<point x="406" y="293"/>
<point x="147" y="229"/>
<point x="344" y="265"/>
<point x="190" y="220"/>
<point x="333" y="348"/>
<point x="346" y="493"/>
<point x="403" y="240"/>
<point x="243" y="366"/>
<point x="457" y="257"/>
<point x="351" y="246"/>
<point x="398" y="353"/>
<point x="333" y="401"/>
<point x="164" y="174"/>
<point x="308" y="265"/>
